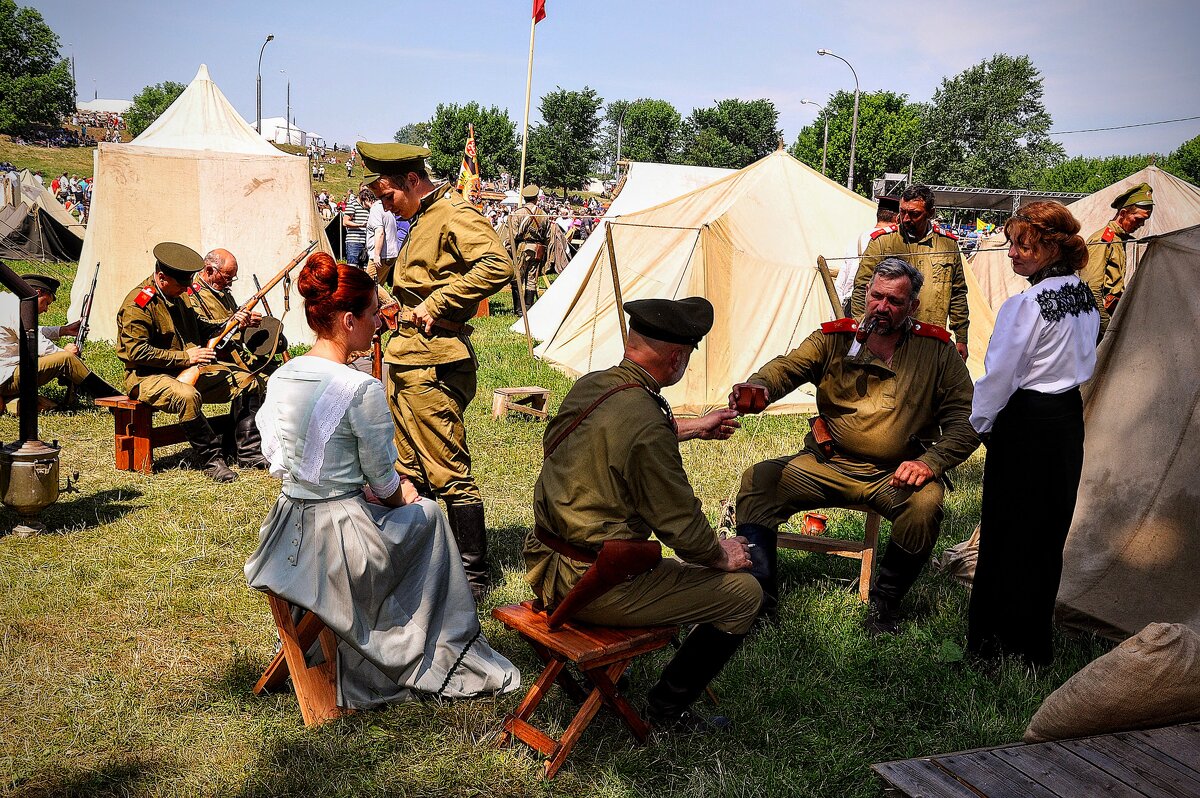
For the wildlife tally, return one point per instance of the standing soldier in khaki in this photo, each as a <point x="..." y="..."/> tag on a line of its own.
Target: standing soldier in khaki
<point x="159" y="335"/>
<point x="1105" y="269"/>
<point x="880" y="401"/>
<point x="933" y="252"/>
<point x="614" y="472"/>
<point x="530" y="234"/>
<point x="451" y="260"/>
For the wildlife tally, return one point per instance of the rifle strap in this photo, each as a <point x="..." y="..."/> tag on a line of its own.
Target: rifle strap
<point x="562" y="436"/>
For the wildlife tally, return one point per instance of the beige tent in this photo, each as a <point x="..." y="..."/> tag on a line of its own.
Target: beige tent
<point x="202" y="177"/>
<point x="1176" y="206"/>
<point x="34" y="225"/>
<point x="1134" y="547"/>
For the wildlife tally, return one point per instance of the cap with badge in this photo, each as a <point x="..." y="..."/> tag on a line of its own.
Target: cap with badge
<point x="530" y="192"/>
<point x="888" y="203"/>
<point x="177" y="261"/>
<point x="676" y="321"/>
<point x="1141" y="195"/>
<point x="389" y="158"/>
<point x="42" y="283"/>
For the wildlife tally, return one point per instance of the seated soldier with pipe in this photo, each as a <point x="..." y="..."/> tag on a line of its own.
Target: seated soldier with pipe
<point x="52" y="362"/>
<point x="613" y="472"/>
<point x="886" y="384"/>
<point x="169" y="365"/>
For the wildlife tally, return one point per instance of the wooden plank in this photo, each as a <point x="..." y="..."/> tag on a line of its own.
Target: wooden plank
<point x="921" y="778"/>
<point x="1180" y="743"/>
<point x="1190" y="770"/>
<point x="533" y="737"/>
<point x="992" y="776"/>
<point x="1134" y="767"/>
<point x="790" y="540"/>
<point x="1060" y="771"/>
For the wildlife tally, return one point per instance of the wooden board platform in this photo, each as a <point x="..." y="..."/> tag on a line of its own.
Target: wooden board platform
<point x="1152" y="763"/>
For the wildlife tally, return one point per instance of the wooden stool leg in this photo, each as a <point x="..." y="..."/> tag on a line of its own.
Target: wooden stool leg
<point x="143" y="449"/>
<point x="605" y="680"/>
<point x="866" y="570"/>
<point x="276" y="674"/>
<point x="517" y="723"/>
<point x="574" y="731"/>
<point x="315" y="689"/>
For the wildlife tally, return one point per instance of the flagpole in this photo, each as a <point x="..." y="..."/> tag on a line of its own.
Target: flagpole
<point x="525" y="123"/>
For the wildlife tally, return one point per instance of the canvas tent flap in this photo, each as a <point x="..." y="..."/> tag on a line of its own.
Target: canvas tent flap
<point x="1132" y="554"/>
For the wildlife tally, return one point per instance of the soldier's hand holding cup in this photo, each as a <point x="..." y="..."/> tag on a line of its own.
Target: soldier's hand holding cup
<point x="748" y="398"/>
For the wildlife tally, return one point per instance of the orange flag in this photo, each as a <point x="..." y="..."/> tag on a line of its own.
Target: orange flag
<point x="539" y="11"/>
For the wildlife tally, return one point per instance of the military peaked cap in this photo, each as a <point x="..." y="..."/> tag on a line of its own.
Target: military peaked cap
<point x="42" y="283"/>
<point x="1141" y="195"/>
<point x="676" y="321"/>
<point x="390" y="158"/>
<point x="530" y="192"/>
<point x="172" y="257"/>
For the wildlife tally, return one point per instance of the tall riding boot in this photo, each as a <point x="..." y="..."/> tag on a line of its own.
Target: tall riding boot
<point x="470" y="534"/>
<point x="764" y="557"/>
<point x="247" y="440"/>
<point x="516" y="298"/>
<point x="530" y="298"/>
<point x="97" y="388"/>
<point x="898" y="570"/>
<point x="698" y="661"/>
<point x="206" y="450"/>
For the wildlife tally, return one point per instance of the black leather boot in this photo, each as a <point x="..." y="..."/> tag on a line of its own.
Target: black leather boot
<point x="516" y="298"/>
<point x="470" y="534"/>
<point x="206" y="450"/>
<point x="97" y="388"/>
<point x="247" y="440"/>
<point x="765" y="558"/>
<point x="898" y="570"/>
<point x="698" y="661"/>
<point x="530" y="298"/>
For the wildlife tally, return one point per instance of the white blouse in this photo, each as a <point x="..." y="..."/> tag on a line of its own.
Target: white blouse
<point x="1044" y="341"/>
<point x="326" y="429"/>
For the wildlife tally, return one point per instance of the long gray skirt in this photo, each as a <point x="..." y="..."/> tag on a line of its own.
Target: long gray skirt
<point x="389" y="583"/>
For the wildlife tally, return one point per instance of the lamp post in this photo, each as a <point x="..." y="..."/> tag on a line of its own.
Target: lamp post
<point x="825" y="145"/>
<point x="912" y="160"/>
<point x="620" y="128"/>
<point x="258" y="84"/>
<point x="854" y="122"/>
<point x="288" y="113"/>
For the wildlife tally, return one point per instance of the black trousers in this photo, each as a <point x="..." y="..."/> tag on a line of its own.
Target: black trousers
<point x="1030" y="480"/>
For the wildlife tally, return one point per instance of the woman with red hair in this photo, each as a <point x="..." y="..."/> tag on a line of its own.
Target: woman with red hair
<point x="384" y="575"/>
<point x="1028" y="410"/>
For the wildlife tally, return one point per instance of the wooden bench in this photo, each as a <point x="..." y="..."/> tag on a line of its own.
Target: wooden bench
<point x="528" y="399"/>
<point x="316" y="686"/>
<point x="1151" y="762"/>
<point x="136" y="436"/>
<point x="600" y="653"/>
<point x="863" y="551"/>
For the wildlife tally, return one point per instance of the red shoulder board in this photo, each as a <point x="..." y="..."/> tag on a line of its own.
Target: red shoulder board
<point x="191" y="290"/>
<point x="144" y="296"/>
<point x="839" y="326"/>
<point x="931" y="331"/>
<point x="945" y="233"/>
<point x="884" y="231"/>
<point x="1108" y="235"/>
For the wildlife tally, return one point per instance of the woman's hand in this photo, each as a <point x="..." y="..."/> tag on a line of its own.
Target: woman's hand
<point x="408" y="491"/>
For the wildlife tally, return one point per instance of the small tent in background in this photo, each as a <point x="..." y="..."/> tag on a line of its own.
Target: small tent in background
<point x="200" y="176"/>
<point x="37" y="226"/>
<point x="1134" y="548"/>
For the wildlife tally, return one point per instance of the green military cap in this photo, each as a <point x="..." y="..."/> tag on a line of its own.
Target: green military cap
<point x="676" y="321"/>
<point x="42" y="283"/>
<point x="177" y="260"/>
<point x="369" y="178"/>
<point x="390" y="158"/>
<point x="530" y="192"/>
<point x="1141" y="195"/>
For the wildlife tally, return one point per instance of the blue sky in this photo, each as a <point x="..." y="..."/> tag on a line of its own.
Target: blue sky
<point x="363" y="69"/>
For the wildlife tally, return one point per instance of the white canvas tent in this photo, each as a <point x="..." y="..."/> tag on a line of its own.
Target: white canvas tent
<point x="277" y="129"/>
<point x="1134" y="548"/>
<point x="1176" y="206"/>
<point x="35" y="225"/>
<point x="200" y="176"/>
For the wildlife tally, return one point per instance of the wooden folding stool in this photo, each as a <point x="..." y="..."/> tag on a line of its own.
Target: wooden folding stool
<point x="315" y="686"/>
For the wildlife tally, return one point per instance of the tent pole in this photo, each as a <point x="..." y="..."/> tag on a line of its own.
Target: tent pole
<point x="612" y="263"/>
<point x="512" y="252"/>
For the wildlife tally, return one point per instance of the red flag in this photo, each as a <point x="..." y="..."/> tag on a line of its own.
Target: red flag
<point x="539" y="11"/>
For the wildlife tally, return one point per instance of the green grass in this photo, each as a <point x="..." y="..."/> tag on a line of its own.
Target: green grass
<point x="129" y="643"/>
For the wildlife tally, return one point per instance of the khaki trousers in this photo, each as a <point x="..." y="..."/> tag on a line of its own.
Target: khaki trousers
<point x="61" y="364"/>
<point x="529" y="269"/>
<point x="428" y="404"/>
<point x="218" y="382"/>
<point x="774" y="490"/>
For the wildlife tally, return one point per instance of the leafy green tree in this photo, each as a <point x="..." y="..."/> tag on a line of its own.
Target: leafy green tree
<point x="36" y="88"/>
<point x="650" y="131"/>
<point x="1092" y="174"/>
<point x="731" y="134"/>
<point x="413" y="133"/>
<point x="989" y="127"/>
<point x="562" y="149"/>
<point x="1185" y="161"/>
<point x="889" y="130"/>
<point x="149" y="104"/>
<point x="495" y="139"/>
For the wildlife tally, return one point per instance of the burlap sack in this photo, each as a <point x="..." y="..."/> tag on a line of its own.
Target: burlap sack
<point x="1152" y="679"/>
<point x="959" y="561"/>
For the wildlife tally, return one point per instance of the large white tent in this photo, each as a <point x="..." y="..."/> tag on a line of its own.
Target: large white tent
<point x="200" y="176"/>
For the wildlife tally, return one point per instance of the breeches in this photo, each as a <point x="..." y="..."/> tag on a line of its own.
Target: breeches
<point x="529" y="269"/>
<point x="676" y="592"/>
<point x="218" y="382"/>
<point x="60" y="364"/>
<point x="774" y="490"/>
<point x="428" y="404"/>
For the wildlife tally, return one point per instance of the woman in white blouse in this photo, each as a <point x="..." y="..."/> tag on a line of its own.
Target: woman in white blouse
<point x="1028" y="410"/>
<point x="383" y="574"/>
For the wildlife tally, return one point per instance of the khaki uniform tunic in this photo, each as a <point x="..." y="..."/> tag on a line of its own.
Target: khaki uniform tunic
<point x="152" y="342"/>
<point x="1105" y="269"/>
<point x="619" y="476"/>
<point x="872" y="409"/>
<point x="938" y="258"/>
<point x="451" y="260"/>
<point x="529" y="229"/>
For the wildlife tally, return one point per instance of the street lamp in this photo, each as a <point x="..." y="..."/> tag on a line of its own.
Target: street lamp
<point x="825" y="145"/>
<point x="854" y="122"/>
<point x="288" y="118"/>
<point x="913" y="159"/>
<point x="620" y="127"/>
<point x="258" y="84"/>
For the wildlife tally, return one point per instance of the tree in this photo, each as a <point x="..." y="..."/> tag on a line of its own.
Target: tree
<point x="36" y="88"/>
<point x="413" y="133"/>
<point x="562" y="149"/>
<point x="650" y="131"/>
<point x="149" y="104"/>
<point x="889" y="129"/>
<point x="1092" y="174"/>
<point x="1185" y="161"/>
<point x="731" y="134"/>
<point x="989" y="127"/>
<point x="495" y="139"/>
